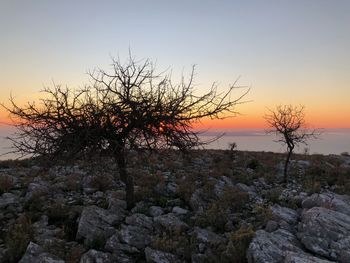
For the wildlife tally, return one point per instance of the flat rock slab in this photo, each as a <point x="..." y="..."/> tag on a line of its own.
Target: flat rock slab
<point x="8" y="199"/>
<point x="326" y="232"/>
<point x="155" y="211"/>
<point x="293" y="257"/>
<point x="114" y="246"/>
<point x="272" y="247"/>
<point x="207" y="237"/>
<point x="171" y="223"/>
<point x="284" y="213"/>
<point x="97" y="256"/>
<point x="96" y="223"/>
<point x="157" y="256"/>
<point x="340" y="203"/>
<point x="134" y="236"/>
<point x="36" y="254"/>
<point x="140" y="220"/>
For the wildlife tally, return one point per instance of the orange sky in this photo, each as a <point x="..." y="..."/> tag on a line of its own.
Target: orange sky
<point x="288" y="52"/>
<point x="327" y="109"/>
<point x="257" y="121"/>
<point x="251" y="117"/>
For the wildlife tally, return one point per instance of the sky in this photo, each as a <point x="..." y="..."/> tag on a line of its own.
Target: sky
<point x="287" y="52"/>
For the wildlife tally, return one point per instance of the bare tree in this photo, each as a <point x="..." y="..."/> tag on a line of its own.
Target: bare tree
<point x="288" y="123"/>
<point x="131" y="107"/>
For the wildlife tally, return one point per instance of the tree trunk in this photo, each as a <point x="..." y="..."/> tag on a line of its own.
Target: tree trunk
<point x="127" y="180"/>
<point x="285" y="172"/>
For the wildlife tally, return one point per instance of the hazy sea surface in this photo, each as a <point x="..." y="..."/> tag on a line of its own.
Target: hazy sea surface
<point x="331" y="141"/>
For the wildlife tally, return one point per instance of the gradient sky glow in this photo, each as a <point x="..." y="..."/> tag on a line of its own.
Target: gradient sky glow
<point x="289" y="52"/>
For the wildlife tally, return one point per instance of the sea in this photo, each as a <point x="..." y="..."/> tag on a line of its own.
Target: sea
<point x="330" y="141"/>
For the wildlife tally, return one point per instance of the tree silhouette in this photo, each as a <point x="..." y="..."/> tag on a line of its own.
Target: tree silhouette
<point x="131" y="107"/>
<point x="288" y="123"/>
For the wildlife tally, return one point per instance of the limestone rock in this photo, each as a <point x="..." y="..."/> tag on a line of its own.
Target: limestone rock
<point x="8" y="199"/>
<point x="199" y="258"/>
<point x="114" y="245"/>
<point x="36" y="254"/>
<point x="140" y="220"/>
<point x="43" y="231"/>
<point x="171" y="188"/>
<point x="221" y="186"/>
<point x="94" y="256"/>
<point x="249" y="189"/>
<point x="197" y="202"/>
<point x="134" y="236"/>
<point x="155" y="211"/>
<point x="171" y="223"/>
<point x="293" y="257"/>
<point x="271" y="226"/>
<point x="116" y="206"/>
<point x="284" y="213"/>
<point x="180" y="211"/>
<point x="207" y="237"/>
<point x="272" y="247"/>
<point x="36" y="189"/>
<point x="156" y="256"/>
<point x="340" y="203"/>
<point x="96" y="223"/>
<point x="326" y="232"/>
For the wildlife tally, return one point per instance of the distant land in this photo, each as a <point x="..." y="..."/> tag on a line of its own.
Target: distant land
<point x="331" y="141"/>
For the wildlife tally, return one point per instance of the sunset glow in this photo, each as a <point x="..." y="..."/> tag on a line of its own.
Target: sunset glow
<point x="297" y="56"/>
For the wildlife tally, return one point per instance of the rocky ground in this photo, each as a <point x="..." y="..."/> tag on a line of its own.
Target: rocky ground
<point x="208" y="206"/>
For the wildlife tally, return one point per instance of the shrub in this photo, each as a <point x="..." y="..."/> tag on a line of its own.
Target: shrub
<point x="98" y="242"/>
<point x="270" y="177"/>
<point x="215" y="216"/>
<point x="238" y="245"/>
<point x="6" y="183"/>
<point x="315" y="176"/>
<point x="292" y="203"/>
<point x="221" y="165"/>
<point x="253" y="164"/>
<point x="74" y="254"/>
<point x="273" y="195"/>
<point x="6" y="164"/>
<point x="234" y="199"/>
<point x="186" y="187"/>
<point x="241" y="176"/>
<point x="18" y="237"/>
<point x="177" y="244"/>
<point x="232" y="146"/>
<point x="262" y="215"/>
<point x="57" y="214"/>
<point x="160" y="201"/>
<point x="73" y="182"/>
<point x="36" y="203"/>
<point x="147" y="184"/>
<point x="102" y="182"/>
<point x="70" y="224"/>
<point x="56" y="247"/>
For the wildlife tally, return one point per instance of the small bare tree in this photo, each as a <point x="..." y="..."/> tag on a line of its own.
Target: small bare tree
<point x="288" y="123"/>
<point x="131" y="107"/>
